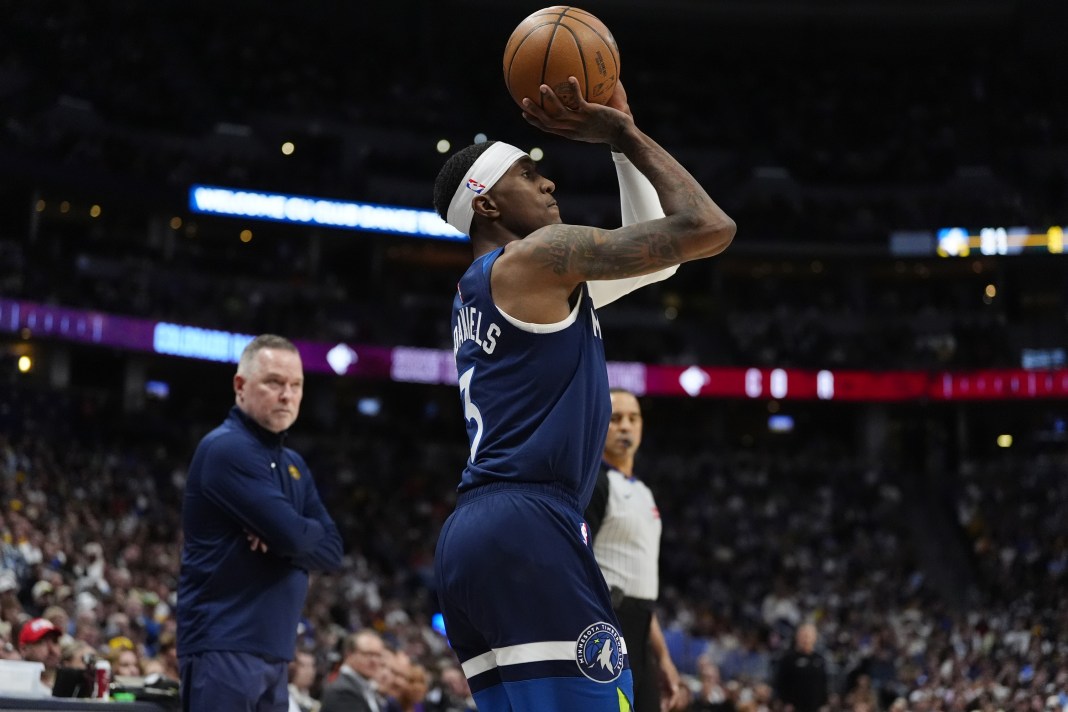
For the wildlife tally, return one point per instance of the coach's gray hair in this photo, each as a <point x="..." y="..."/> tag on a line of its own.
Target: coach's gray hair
<point x="263" y="341"/>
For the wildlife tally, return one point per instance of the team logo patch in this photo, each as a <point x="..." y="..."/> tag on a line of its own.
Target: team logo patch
<point x="294" y="472"/>
<point x="600" y="652"/>
<point x="474" y="186"/>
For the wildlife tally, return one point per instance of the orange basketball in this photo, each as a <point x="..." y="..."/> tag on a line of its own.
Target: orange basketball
<point x="556" y="43"/>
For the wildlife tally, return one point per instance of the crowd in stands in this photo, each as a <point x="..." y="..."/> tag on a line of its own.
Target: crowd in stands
<point x="757" y="541"/>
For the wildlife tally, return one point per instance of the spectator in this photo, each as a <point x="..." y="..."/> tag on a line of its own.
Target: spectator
<point x="711" y="695"/>
<point x="452" y="693"/>
<point x="749" y="660"/>
<point x="166" y="661"/>
<point x="76" y="654"/>
<point x="39" y="642"/>
<point x="42" y="597"/>
<point x="125" y="661"/>
<point x="411" y="696"/>
<point x="396" y="689"/>
<point x="354" y="688"/>
<point x="60" y="619"/>
<point x="384" y="681"/>
<point x="11" y="610"/>
<point x="302" y="674"/>
<point x="801" y="680"/>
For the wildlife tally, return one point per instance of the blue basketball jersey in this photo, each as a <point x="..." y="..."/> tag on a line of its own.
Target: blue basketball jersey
<point x="535" y="396"/>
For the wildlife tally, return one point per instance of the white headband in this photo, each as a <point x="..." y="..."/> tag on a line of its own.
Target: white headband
<point x="484" y="173"/>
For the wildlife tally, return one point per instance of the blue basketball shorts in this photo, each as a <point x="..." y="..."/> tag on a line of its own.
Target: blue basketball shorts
<point x="526" y="608"/>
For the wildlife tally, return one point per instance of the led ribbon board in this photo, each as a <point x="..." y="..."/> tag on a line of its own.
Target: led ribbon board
<point x="320" y="212"/>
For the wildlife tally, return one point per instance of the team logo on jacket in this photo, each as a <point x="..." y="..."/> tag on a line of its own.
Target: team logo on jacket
<point x="294" y="472"/>
<point x="600" y="652"/>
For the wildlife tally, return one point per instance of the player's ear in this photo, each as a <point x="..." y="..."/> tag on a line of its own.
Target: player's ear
<point x="485" y="206"/>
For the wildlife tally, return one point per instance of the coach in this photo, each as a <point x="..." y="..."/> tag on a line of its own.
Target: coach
<point x="254" y="527"/>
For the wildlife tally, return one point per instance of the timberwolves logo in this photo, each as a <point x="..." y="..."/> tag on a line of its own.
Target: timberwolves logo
<point x="600" y="653"/>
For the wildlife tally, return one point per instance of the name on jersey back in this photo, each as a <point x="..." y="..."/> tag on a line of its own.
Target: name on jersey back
<point x="469" y="328"/>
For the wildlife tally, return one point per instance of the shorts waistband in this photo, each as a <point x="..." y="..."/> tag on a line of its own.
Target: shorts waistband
<point x="544" y="489"/>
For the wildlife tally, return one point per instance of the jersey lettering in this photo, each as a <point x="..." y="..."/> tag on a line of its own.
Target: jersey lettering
<point x="469" y="328"/>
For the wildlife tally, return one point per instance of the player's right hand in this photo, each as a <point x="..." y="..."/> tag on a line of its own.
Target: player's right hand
<point x="581" y="120"/>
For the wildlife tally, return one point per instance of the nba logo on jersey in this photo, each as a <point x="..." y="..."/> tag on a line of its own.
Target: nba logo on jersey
<point x="585" y="530"/>
<point x="475" y="186"/>
<point x="600" y="652"/>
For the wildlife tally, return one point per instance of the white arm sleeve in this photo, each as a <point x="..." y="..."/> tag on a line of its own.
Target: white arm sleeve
<point x="638" y="202"/>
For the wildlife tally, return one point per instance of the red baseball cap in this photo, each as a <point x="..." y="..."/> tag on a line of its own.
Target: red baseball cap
<point x="35" y="629"/>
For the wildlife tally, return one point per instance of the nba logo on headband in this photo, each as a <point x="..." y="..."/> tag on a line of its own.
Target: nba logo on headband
<point x="481" y="177"/>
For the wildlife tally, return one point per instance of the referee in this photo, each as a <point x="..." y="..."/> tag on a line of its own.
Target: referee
<point x="625" y="524"/>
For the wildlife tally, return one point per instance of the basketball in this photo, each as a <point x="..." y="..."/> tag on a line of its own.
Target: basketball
<point x="556" y="43"/>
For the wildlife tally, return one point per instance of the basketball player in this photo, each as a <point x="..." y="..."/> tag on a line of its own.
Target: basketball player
<point x="625" y="528"/>
<point x="525" y="605"/>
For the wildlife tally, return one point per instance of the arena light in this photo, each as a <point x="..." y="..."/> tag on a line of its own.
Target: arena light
<point x="780" y="423"/>
<point x="158" y="390"/>
<point x="323" y="212"/>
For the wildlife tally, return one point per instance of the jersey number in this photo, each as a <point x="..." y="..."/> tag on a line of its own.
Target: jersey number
<point x="471" y="411"/>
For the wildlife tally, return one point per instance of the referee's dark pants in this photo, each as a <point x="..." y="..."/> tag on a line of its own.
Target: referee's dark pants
<point x="635" y="615"/>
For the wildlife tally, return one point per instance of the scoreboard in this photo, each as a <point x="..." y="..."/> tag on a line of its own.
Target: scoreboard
<point x="959" y="242"/>
<point x="979" y="241"/>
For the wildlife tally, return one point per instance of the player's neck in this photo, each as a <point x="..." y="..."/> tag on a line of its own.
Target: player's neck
<point x="489" y="237"/>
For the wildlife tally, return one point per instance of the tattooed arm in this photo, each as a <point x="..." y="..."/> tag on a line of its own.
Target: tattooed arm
<point x="536" y="276"/>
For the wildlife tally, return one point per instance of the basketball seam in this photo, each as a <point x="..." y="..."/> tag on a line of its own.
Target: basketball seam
<point x="578" y="44"/>
<point x="582" y="60"/>
<point x="607" y="43"/>
<point x="519" y="46"/>
<point x="548" y="51"/>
